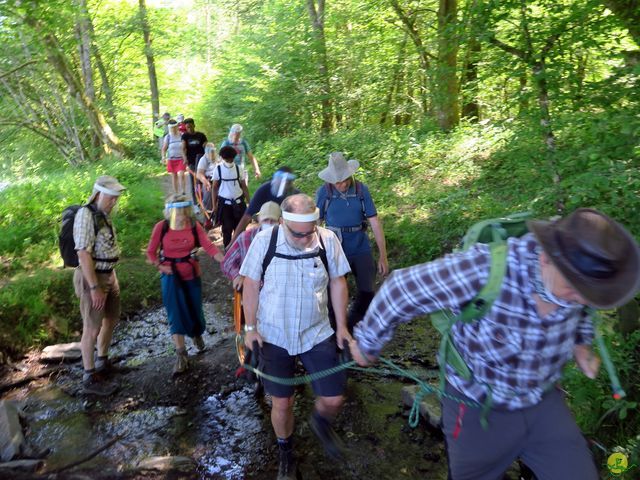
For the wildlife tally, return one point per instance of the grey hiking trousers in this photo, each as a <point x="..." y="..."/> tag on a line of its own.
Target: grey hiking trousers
<point x="545" y="437"/>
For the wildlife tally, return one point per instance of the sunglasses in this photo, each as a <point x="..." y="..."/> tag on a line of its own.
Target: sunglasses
<point x="301" y="234"/>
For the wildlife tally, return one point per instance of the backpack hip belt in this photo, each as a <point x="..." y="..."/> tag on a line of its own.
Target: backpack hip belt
<point x="230" y="201"/>
<point x="187" y="258"/>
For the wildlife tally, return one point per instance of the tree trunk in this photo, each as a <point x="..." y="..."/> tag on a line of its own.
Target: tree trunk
<point x="84" y="48"/>
<point x="395" y="78"/>
<point x="628" y="11"/>
<point x="105" y="87"/>
<point x="447" y="105"/>
<point x="316" y="15"/>
<point x="151" y="65"/>
<point x="84" y="52"/>
<point x="470" y="106"/>
<point x="55" y="56"/>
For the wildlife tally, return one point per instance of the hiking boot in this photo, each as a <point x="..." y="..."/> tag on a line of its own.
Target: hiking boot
<point x="94" y="384"/>
<point x="199" y="343"/>
<point x="332" y="444"/>
<point x="287" y="469"/>
<point x="103" y="365"/>
<point x="182" y="363"/>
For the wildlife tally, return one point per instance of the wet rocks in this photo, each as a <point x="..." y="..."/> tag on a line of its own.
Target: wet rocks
<point x="11" y="437"/>
<point x="63" y="352"/>
<point x="19" y="465"/>
<point x="166" y="463"/>
<point x="430" y="408"/>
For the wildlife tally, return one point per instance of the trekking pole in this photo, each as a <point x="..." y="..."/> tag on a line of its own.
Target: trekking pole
<point x="616" y="387"/>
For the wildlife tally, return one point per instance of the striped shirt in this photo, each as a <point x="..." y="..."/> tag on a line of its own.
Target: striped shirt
<point x="102" y="245"/>
<point x="512" y="349"/>
<point x="292" y="306"/>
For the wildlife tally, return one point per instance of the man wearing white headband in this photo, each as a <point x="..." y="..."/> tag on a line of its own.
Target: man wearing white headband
<point x="95" y="281"/>
<point x="299" y="265"/>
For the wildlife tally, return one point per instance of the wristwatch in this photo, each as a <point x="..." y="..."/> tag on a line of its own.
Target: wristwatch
<point x="249" y="328"/>
<point x="93" y="287"/>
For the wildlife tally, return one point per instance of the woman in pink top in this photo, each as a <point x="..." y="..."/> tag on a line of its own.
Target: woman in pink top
<point x="172" y="247"/>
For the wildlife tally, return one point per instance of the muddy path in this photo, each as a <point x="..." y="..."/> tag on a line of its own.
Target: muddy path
<point x="206" y="423"/>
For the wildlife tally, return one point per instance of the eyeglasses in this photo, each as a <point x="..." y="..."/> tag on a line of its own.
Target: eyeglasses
<point x="301" y="234"/>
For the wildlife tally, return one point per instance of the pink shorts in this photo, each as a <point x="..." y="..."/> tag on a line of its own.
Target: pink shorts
<point x="175" y="165"/>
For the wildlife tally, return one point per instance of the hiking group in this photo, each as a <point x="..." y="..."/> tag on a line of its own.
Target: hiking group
<point x="516" y="306"/>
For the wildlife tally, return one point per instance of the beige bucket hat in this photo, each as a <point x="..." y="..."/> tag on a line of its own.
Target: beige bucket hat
<point x="339" y="168"/>
<point x="106" y="184"/>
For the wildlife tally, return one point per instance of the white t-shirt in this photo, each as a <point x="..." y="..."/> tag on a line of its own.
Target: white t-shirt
<point x="230" y="181"/>
<point x="207" y="165"/>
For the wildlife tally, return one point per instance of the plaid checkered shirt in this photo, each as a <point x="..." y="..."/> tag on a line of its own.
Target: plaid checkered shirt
<point x="100" y="245"/>
<point x="235" y="255"/>
<point x="512" y="350"/>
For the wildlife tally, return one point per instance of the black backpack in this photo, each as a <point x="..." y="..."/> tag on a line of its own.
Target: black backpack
<point x="65" y="239"/>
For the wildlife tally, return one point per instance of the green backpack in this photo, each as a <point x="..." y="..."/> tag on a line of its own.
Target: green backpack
<point x="495" y="233"/>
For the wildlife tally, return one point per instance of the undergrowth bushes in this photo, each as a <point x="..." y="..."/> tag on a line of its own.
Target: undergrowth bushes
<point x="37" y="303"/>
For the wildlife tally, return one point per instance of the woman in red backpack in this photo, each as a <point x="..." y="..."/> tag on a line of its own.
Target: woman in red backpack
<point x="172" y="249"/>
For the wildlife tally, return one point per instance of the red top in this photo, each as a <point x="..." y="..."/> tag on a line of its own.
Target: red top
<point x="178" y="244"/>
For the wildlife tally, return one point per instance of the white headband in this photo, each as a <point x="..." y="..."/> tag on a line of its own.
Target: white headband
<point x="108" y="191"/>
<point x="301" y="217"/>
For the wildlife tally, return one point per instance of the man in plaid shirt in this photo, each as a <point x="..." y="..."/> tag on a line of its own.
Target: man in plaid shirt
<point x="268" y="216"/>
<point x="517" y="351"/>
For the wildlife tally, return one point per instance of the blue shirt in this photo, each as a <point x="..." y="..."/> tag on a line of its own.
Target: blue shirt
<point x="242" y="147"/>
<point x="345" y="210"/>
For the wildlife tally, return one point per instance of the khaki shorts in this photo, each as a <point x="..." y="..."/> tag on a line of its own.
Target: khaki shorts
<point x="109" y="284"/>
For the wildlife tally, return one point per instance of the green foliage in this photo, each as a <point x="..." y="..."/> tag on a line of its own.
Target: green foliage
<point x="610" y="422"/>
<point x="37" y="303"/>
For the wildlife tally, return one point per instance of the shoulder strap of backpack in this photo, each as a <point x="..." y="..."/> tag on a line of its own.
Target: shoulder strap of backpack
<point x="327" y="200"/>
<point x="237" y="173"/>
<point x="165" y="229"/>
<point x="482" y="302"/>
<point x="194" y="232"/>
<point x="323" y="254"/>
<point x="361" y="197"/>
<point x="219" y="173"/>
<point x="271" y="250"/>
<point x="477" y="308"/>
<point x="94" y="215"/>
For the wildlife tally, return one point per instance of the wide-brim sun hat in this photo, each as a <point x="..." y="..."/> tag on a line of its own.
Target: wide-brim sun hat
<point x="106" y="184"/>
<point x="339" y="168"/>
<point x="595" y="254"/>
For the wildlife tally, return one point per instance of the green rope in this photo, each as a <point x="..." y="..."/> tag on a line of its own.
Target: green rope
<point x="414" y="414"/>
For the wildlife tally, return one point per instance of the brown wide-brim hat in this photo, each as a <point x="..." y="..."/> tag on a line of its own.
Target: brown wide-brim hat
<point x="339" y="168"/>
<point x="595" y="254"/>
